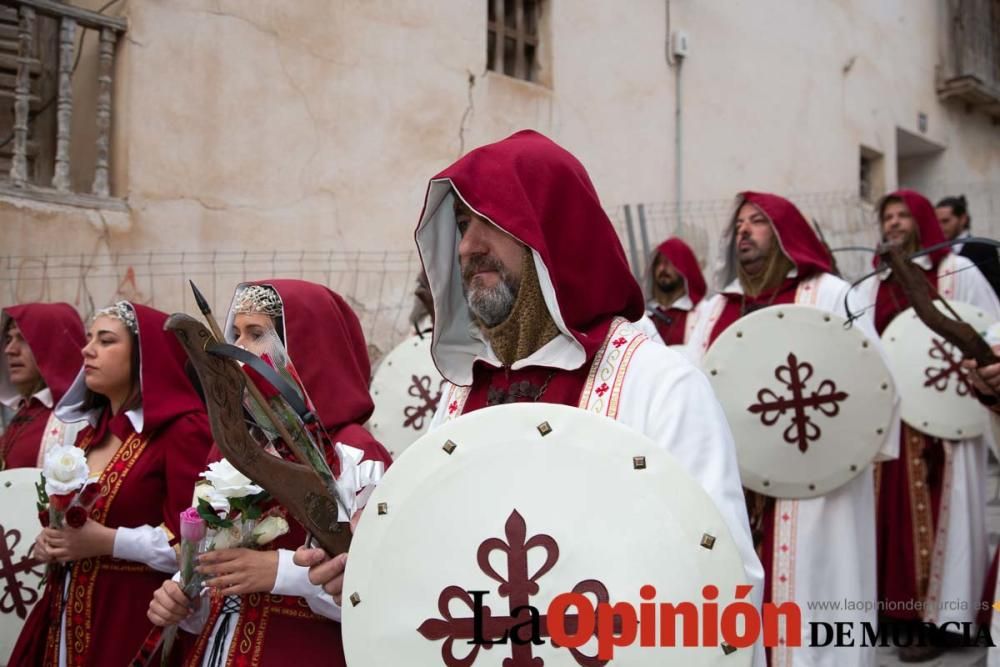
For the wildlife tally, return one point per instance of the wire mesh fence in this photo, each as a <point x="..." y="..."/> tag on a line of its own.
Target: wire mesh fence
<point x="846" y="222"/>
<point x="379" y="285"/>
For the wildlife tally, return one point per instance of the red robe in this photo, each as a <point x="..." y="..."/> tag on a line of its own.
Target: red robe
<point x="149" y="481"/>
<point x="275" y="629"/>
<point x="323" y="338"/>
<point x="907" y="495"/>
<point x="20" y="442"/>
<point x="55" y="335"/>
<point x="497" y="386"/>
<point x="673" y="327"/>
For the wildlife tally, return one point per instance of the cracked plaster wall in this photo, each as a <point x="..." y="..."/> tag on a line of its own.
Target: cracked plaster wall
<point x="315" y="125"/>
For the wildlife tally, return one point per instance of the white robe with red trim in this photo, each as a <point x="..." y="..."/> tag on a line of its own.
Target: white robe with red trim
<point x="824" y="548"/>
<point x="960" y="558"/>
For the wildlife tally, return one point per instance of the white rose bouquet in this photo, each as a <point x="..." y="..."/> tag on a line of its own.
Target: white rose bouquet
<point x="228" y="515"/>
<point x="232" y="507"/>
<point x="64" y="496"/>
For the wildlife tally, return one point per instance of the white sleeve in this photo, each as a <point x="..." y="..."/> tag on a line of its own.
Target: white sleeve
<point x="646" y="325"/>
<point x="147" y="545"/>
<point x="293" y="580"/>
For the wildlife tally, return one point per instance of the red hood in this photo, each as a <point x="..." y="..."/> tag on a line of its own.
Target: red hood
<point x="55" y="335"/>
<point x="681" y="256"/>
<point x="541" y="195"/>
<point x="167" y="393"/>
<point x="324" y="340"/>
<point x="797" y="237"/>
<point x="927" y="222"/>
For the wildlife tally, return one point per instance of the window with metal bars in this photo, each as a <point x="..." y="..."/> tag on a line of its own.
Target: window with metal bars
<point x="512" y="37"/>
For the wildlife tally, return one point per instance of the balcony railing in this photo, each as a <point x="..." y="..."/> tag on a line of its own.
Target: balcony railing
<point x="46" y="36"/>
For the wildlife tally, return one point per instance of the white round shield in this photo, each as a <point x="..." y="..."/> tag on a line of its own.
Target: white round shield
<point x="935" y="397"/>
<point x="406" y="389"/>
<point x="809" y="401"/>
<point x="20" y="572"/>
<point x="508" y="507"/>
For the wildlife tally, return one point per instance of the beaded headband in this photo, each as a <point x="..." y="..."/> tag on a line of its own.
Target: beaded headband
<point x="123" y="312"/>
<point x="258" y="299"/>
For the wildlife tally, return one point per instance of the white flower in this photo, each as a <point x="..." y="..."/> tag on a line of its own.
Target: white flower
<point x="205" y="491"/>
<point x="227" y="538"/>
<point x="269" y="530"/>
<point x="202" y="491"/>
<point x="228" y="482"/>
<point x="65" y="470"/>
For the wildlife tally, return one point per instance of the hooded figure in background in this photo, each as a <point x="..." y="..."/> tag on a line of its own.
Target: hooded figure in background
<point x="812" y="549"/>
<point x="41" y="345"/>
<point x="676" y="289"/>
<point x="932" y="542"/>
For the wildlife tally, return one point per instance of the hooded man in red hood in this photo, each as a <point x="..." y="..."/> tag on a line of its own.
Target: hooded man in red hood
<point x="534" y="301"/>
<point x="676" y="287"/>
<point x="41" y="348"/>
<point x="812" y="549"/>
<point x="932" y="542"/>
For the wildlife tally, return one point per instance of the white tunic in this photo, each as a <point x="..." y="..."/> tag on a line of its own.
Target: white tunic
<point x="830" y="540"/>
<point x="960" y="546"/>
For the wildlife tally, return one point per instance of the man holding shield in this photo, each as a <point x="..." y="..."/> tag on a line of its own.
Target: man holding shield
<point x="819" y="548"/>
<point x="534" y="302"/>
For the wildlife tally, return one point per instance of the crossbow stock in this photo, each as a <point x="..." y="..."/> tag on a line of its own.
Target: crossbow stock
<point x="917" y="289"/>
<point x="296" y="486"/>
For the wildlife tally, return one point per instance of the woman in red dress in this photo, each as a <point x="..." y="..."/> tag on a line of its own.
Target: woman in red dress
<point x="41" y="348"/>
<point x="146" y="439"/>
<point x="266" y="612"/>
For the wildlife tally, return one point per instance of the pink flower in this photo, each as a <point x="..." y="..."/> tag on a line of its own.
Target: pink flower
<point x="192" y="525"/>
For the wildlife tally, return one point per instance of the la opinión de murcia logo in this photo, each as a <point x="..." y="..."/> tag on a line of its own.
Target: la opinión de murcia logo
<point x="574" y="618"/>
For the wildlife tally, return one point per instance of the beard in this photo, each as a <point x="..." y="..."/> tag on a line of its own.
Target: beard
<point x="669" y="285"/>
<point x="910" y="243"/>
<point x="490" y="305"/>
<point x="754" y="258"/>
